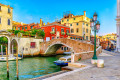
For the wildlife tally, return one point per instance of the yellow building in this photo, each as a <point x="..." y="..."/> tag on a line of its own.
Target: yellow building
<point x="79" y="24"/>
<point x="6" y="15"/>
<point x="107" y="37"/>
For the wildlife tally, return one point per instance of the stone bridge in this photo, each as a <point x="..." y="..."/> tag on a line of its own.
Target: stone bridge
<point x="76" y="46"/>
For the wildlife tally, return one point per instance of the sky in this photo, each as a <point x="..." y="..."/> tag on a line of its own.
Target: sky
<point x="29" y="11"/>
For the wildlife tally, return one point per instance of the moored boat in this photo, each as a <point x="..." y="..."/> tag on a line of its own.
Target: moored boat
<point x="63" y="61"/>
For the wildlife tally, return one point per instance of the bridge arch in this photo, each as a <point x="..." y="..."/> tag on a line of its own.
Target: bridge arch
<point x="77" y="46"/>
<point x="54" y="47"/>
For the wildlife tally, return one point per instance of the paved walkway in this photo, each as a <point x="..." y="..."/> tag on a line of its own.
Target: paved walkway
<point x="111" y="71"/>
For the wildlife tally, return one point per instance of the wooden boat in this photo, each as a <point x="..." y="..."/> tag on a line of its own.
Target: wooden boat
<point x="63" y="61"/>
<point x="9" y="58"/>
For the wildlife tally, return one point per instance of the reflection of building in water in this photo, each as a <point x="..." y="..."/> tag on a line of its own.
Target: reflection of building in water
<point x="62" y="50"/>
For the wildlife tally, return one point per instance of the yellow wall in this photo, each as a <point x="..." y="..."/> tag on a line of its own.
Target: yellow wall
<point x="109" y="36"/>
<point x="5" y="16"/>
<point x="82" y="20"/>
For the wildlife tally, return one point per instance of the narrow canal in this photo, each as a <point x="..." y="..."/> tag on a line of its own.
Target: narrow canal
<point x="30" y="68"/>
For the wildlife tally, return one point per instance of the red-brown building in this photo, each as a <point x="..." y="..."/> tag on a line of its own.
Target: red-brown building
<point x="55" y="30"/>
<point x="27" y="27"/>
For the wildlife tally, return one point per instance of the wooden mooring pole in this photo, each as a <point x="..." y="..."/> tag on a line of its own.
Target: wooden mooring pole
<point x="17" y="66"/>
<point x="7" y="63"/>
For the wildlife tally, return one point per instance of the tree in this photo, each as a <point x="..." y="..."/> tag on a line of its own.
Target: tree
<point x="41" y="33"/>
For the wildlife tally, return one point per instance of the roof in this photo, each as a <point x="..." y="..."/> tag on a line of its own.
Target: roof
<point x="55" y="23"/>
<point x="6" y="5"/>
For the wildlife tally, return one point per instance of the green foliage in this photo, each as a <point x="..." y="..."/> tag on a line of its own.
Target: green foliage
<point x="16" y="32"/>
<point x="3" y="40"/>
<point x="79" y="59"/>
<point x="41" y="33"/>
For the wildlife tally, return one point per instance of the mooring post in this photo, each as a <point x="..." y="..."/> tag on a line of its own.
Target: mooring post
<point x="17" y="65"/>
<point x="7" y="63"/>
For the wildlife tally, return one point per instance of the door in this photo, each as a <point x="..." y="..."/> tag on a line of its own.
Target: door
<point x="47" y="38"/>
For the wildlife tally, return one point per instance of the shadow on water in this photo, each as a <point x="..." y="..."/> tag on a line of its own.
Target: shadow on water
<point x="29" y="68"/>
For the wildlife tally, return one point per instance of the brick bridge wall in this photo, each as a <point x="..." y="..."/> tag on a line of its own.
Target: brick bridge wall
<point x="77" y="46"/>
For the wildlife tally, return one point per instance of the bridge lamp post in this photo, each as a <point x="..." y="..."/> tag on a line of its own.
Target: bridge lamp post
<point x="95" y="25"/>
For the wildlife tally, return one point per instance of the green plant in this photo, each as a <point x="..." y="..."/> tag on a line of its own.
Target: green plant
<point x="52" y="32"/>
<point x="62" y="33"/>
<point x="79" y="59"/>
<point x="68" y="34"/>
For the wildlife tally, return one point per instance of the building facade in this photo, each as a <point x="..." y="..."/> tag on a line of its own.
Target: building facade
<point x="26" y="27"/>
<point x="55" y="30"/>
<point x="6" y="17"/>
<point x="79" y="25"/>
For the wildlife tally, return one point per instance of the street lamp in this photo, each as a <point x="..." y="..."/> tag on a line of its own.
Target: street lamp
<point x="95" y="25"/>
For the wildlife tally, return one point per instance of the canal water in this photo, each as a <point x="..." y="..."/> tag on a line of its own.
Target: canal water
<point x="30" y="68"/>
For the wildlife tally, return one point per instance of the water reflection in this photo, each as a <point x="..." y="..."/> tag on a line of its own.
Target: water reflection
<point x="30" y="68"/>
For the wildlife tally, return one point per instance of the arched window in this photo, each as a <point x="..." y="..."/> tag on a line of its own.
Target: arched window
<point x="72" y="30"/>
<point x="8" y="21"/>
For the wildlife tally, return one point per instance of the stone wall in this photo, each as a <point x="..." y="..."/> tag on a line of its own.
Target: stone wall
<point x="85" y="55"/>
<point x="76" y="45"/>
<point x="24" y="46"/>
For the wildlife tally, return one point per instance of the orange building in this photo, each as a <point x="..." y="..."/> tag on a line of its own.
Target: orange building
<point x="27" y="27"/>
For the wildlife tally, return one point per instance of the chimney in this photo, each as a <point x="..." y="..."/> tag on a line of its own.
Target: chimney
<point x="84" y="13"/>
<point x="47" y="22"/>
<point x="43" y="23"/>
<point x="40" y="21"/>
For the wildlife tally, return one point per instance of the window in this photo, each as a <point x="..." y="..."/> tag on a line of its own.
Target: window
<point x="32" y="45"/>
<point x="73" y="38"/>
<point x="77" y="24"/>
<point x="18" y="28"/>
<point x="31" y="27"/>
<point x="70" y="24"/>
<point x="8" y="10"/>
<point x="67" y="31"/>
<point x="62" y="20"/>
<point x="42" y="29"/>
<point x="22" y="28"/>
<point x="73" y="18"/>
<point x="86" y="30"/>
<point x="57" y="37"/>
<point x="72" y="30"/>
<point x="83" y="23"/>
<point x="76" y="38"/>
<point x="64" y="48"/>
<point x="0" y="8"/>
<point x="86" y="37"/>
<point x="70" y="37"/>
<point x="77" y="30"/>
<point x="67" y="48"/>
<point x="62" y="30"/>
<point x="15" y="28"/>
<point x="8" y="21"/>
<point x="52" y="37"/>
<point x="53" y="29"/>
<point x="0" y="20"/>
<point x="67" y="19"/>
<point x="61" y="48"/>
<point x="86" y="24"/>
<point x="26" y="28"/>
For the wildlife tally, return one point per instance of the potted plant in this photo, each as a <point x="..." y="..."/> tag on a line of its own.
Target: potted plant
<point x="52" y="32"/>
<point x="62" y="33"/>
<point x="68" y="34"/>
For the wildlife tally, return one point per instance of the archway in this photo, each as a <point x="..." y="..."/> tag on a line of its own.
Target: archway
<point x="14" y="47"/>
<point x="3" y="45"/>
<point x="54" y="47"/>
